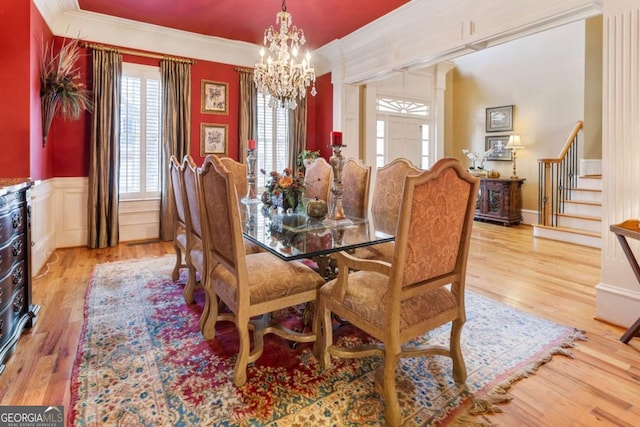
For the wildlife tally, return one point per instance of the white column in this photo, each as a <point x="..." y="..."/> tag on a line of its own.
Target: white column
<point x="439" y="113"/>
<point x="618" y="294"/>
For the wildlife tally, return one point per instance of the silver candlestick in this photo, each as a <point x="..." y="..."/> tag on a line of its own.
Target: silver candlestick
<point x="251" y="178"/>
<point x="336" y="211"/>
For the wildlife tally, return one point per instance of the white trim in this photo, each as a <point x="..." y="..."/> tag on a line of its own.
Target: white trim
<point x="616" y="305"/>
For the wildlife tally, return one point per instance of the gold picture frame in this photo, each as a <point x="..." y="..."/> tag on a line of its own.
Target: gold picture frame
<point x="213" y="139"/>
<point x="215" y="99"/>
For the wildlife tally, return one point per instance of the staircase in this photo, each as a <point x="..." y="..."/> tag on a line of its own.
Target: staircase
<point x="581" y="221"/>
<point x="570" y="201"/>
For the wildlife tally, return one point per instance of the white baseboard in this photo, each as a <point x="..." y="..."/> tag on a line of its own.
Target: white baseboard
<point x="616" y="305"/>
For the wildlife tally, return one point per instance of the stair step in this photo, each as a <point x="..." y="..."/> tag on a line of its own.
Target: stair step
<point x="568" y="235"/>
<point x="570" y="230"/>
<point x="580" y="216"/>
<point x="583" y="207"/>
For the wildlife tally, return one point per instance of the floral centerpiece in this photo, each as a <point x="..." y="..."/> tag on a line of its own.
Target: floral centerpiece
<point x="285" y="189"/>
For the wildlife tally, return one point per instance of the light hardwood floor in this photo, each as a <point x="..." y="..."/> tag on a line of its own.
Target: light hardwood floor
<point x="600" y="386"/>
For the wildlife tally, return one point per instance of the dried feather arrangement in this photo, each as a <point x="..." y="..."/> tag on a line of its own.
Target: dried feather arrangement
<point x="60" y="87"/>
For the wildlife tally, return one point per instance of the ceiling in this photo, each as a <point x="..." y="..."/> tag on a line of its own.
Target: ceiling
<point x="245" y="20"/>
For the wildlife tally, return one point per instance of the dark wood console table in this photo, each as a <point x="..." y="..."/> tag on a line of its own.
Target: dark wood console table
<point x="631" y="229"/>
<point x="500" y="200"/>
<point x="17" y="312"/>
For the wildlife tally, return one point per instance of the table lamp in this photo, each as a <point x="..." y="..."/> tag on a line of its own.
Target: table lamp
<point x="514" y="144"/>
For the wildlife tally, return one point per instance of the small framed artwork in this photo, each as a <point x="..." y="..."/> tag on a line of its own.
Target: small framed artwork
<point x="214" y="97"/>
<point x="499" y="145"/>
<point x="213" y="139"/>
<point x="499" y="119"/>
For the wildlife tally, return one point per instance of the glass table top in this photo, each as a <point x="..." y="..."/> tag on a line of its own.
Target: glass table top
<point x="295" y="235"/>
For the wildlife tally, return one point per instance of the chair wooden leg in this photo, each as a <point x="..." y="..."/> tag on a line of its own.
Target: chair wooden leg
<point x="459" y="367"/>
<point x="209" y="315"/>
<point x="175" y="274"/>
<point x="190" y="287"/>
<point x="325" y="339"/>
<point x="392" y="413"/>
<point x="240" y="368"/>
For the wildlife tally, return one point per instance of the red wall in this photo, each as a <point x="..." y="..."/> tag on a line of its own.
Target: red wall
<point x="40" y="164"/>
<point x="15" y="91"/>
<point x="223" y="73"/>
<point x="320" y="126"/>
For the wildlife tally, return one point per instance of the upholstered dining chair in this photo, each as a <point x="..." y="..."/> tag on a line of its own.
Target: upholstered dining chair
<point x="318" y="177"/>
<point x="422" y="289"/>
<point x="250" y="285"/>
<point x="195" y="254"/>
<point x="176" y="178"/>
<point x="355" y="179"/>
<point x="385" y="205"/>
<point x="239" y="172"/>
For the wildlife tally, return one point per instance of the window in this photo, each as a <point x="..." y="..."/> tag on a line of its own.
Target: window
<point x="140" y="131"/>
<point x="273" y="140"/>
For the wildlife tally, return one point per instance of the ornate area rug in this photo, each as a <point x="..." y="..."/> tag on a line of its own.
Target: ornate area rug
<point x="142" y="361"/>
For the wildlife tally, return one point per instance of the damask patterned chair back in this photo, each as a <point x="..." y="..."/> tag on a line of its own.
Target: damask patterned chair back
<point x="250" y="285"/>
<point x="176" y="176"/>
<point x="387" y="193"/>
<point x="220" y="212"/>
<point x="239" y="172"/>
<point x="421" y="289"/>
<point x="317" y="179"/>
<point x="355" y="198"/>
<point x="195" y="255"/>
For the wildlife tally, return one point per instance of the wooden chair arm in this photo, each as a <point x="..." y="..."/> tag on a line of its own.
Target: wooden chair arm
<point x="346" y="263"/>
<point x="354" y="263"/>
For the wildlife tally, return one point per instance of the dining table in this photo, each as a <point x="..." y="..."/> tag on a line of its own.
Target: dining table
<point x="293" y="235"/>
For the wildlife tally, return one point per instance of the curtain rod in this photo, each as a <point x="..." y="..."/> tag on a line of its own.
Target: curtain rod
<point x="245" y="69"/>
<point x="125" y="51"/>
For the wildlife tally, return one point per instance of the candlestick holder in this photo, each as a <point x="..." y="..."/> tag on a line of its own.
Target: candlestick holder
<point x="251" y="198"/>
<point x="336" y="211"/>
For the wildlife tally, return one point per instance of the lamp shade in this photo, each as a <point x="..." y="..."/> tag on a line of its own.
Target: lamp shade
<point x="514" y="142"/>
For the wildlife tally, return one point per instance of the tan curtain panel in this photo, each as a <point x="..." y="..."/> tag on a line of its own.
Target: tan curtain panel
<point x="176" y="135"/>
<point x="105" y="150"/>
<point x="297" y="132"/>
<point x="248" y="117"/>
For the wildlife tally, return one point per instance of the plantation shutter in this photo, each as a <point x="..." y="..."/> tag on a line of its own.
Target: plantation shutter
<point x="273" y="139"/>
<point x="140" y="131"/>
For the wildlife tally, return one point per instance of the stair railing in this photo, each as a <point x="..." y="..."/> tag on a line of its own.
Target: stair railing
<point x="557" y="177"/>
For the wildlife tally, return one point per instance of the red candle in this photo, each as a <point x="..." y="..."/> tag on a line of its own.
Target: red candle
<point x="336" y="138"/>
<point x="251" y="144"/>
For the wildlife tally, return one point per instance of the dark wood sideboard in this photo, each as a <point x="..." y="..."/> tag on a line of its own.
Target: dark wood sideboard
<point x="500" y="200"/>
<point x="17" y="312"/>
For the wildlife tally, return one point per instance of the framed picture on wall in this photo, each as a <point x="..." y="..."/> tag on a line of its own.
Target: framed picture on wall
<point x="213" y="139"/>
<point x="499" y="119"/>
<point x="499" y="144"/>
<point x="214" y="97"/>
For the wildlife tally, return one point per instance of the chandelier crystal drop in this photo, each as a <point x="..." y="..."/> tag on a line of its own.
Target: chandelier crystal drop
<point x="281" y="75"/>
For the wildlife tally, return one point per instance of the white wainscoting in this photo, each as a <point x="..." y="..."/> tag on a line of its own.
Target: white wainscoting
<point x="59" y="218"/>
<point x="43" y="236"/>
<point x="139" y="220"/>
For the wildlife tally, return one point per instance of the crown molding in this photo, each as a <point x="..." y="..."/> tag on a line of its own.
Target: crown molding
<point x="65" y="19"/>
<point x="418" y="34"/>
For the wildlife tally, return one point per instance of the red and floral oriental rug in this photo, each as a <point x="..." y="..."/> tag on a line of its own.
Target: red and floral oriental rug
<point x="143" y="362"/>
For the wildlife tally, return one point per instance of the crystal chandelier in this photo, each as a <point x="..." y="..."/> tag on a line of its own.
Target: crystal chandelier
<point x="283" y="77"/>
